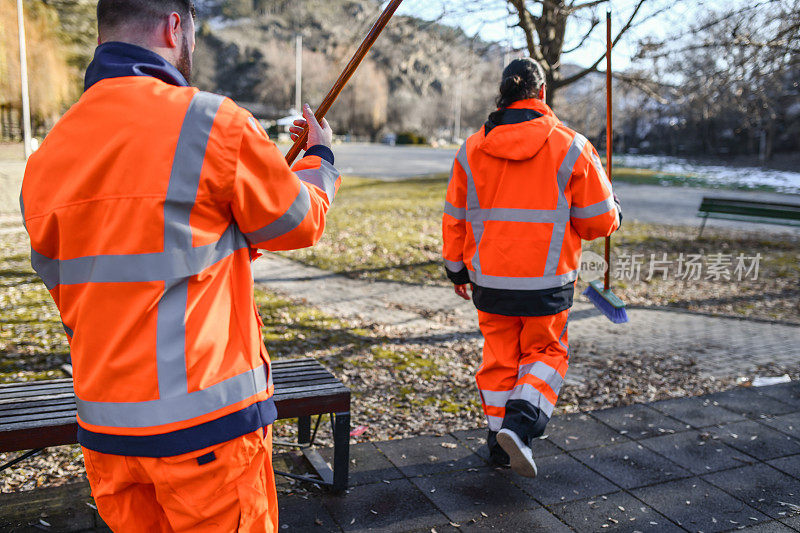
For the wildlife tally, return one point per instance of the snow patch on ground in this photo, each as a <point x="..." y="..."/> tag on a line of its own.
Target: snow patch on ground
<point x="749" y="177"/>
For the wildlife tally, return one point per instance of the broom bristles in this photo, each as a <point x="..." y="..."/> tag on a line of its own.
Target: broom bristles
<point x="606" y="302"/>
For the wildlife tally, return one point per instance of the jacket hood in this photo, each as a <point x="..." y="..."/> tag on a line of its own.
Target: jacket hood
<point x="117" y="60"/>
<point x="519" y="131"/>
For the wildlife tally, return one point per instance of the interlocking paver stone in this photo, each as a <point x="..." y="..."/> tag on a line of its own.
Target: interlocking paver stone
<point x="426" y="455"/>
<point x="630" y="465"/>
<point x="475" y="440"/>
<point x="639" y="421"/>
<point x="698" y="506"/>
<point x="770" y="491"/>
<point x="579" y="431"/>
<point x="367" y="464"/>
<point x="397" y="506"/>
<point x="698" y="411"/>
<point x="757" y="440"/>
<point x="790" y="465"/>
<point x="769" y="527"/>
<point x="785" y="392"/>
<point x="465" y="495"/>
<point x="789" y="424"/>
<point x="562" y="479"/>
<point x="697" y="451"/>
<point x="299" y="514"/>
<point x="616" y="512"/>
<point x="528" y="520"/>
<point x="793" y="520"/>
<point x="750" y="402"/>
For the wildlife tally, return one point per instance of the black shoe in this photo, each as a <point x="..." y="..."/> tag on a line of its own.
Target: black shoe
<point x="497" y="455"/>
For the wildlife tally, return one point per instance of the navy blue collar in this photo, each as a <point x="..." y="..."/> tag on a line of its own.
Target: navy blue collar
<point x="118" y="59"/>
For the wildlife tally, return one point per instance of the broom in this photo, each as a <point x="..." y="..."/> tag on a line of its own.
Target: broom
<point x="345" y="76"/>
<point x="600" y="293"/>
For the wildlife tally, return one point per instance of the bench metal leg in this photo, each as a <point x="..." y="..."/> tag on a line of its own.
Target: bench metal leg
<point x="341" y="451"/>
<point x="304" y="429"/>
<point x="702" y="226"/>
<point x="21" y="458"/>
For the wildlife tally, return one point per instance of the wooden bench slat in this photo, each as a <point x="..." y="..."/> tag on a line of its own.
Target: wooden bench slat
<point x="64" y="413"/>
<point x="291" y="375"/>
<point x="35" y="408"/>
<point x="43" y="413"/>
<point x="44" y="388"/>
<point x="7" y="400"/>
<point x="24" y="384"/>
<point x="276" y="367"/>
<point x="286" y="380"/>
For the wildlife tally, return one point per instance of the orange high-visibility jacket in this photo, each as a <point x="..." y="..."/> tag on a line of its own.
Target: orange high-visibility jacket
<point x="524" y="191"/>
<point x="143" y="205"/>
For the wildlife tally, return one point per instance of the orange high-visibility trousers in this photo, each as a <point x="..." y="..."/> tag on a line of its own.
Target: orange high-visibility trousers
<point x="226" y="487"/>
<point x="525" y="360"/>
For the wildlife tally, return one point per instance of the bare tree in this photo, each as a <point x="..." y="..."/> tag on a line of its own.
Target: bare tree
<point x="545" y="24"/>
<point x="734" y="76"/>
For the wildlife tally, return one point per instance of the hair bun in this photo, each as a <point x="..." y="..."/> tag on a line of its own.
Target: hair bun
<point x="511" y="83"/>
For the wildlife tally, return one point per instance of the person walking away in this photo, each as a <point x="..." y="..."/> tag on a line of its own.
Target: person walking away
<point x="524" y="191"/>
<point x="145" y="205"/>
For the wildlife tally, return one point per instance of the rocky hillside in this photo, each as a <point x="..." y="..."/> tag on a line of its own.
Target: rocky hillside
<point x="409" y="82"/>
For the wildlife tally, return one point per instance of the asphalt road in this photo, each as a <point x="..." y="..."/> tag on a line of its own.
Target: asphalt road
<point x="644" y="203"/>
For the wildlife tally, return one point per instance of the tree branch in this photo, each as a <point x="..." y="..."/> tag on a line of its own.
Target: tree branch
<point x="573" y="8"/>
<point x="572" y="79"/>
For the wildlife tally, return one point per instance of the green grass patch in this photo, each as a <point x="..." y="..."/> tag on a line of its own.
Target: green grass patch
<point x="391" y="230"/>
<point x="383" y="229"/>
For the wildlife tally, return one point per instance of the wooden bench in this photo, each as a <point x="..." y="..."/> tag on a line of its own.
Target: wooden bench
<point x="39" y="414"/>
<point x="748" y="210"/>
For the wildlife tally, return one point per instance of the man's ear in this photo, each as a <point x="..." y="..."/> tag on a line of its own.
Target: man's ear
<point x="542" y="92"/>
<point x="172" y="31"/>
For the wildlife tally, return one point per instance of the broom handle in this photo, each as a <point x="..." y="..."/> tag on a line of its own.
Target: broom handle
<point x="609" y="141"/>
<point x="347" y="73"/>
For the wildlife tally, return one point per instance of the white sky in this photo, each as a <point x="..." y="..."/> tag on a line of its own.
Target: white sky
<point x="491" y="25"/>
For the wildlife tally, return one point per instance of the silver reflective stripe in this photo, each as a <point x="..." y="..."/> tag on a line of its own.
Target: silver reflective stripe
<point x="501" y="214"/>
<point x="454" y="266"/>
<point x="522" y="284"/>
<point x="171" y="264"/>
<point x="564" y="332"/>
<point x="174" y="409"/>
<point x="544" y="372"/>
<point x="530" y="394"/>
<point x="600" y="208"/>
<point x="472" y="191"/>
<point x="495" y="398"/>
<point x="458" y="213"/>
<point x="324" y="177"/>
<point x="600" y="170"/>
<point x="171" y="339"/>
<point x="495" y="423"/>
<point x="287" y="222"/>
<point x="562" y="209"/>
<point x="184" y="181"/>
<point x="473" y="204"/>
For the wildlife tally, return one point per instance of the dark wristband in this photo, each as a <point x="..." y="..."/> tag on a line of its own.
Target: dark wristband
<point x="322" y="151"/>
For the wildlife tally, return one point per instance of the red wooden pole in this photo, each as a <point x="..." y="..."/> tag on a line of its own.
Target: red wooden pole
<point x="347" y="73"/>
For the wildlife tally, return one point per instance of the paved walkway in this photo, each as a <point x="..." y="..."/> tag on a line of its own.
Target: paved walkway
<point x="721" y="346"/>
<point x="722" y="462"/>
<point x="717" y="463"/>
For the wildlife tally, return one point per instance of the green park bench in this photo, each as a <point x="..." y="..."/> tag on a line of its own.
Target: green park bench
<point x="749" y="211"/>
<point x="39" y="414"/>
